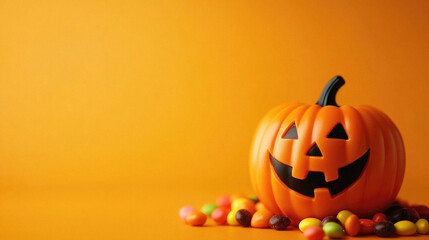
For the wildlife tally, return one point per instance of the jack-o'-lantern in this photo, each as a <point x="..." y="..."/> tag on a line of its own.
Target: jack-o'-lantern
<point x="315" y="160"/>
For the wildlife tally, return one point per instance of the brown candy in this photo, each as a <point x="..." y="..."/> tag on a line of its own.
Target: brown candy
<point x="399" y="215"/>
<point x="414" y="215"/>
<point x="331" y="219"/>
<point x="279" y="222"/>
<point x="384" y="229"/>
<point x="243" y="217"/>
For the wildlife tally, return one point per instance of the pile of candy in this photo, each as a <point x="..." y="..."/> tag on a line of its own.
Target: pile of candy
<point x="239" y="210"/>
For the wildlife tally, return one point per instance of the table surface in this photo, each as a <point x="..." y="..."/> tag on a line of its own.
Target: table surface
<point x="116" y="213"/>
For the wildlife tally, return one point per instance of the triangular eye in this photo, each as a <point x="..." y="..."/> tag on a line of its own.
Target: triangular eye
<point x="338" y="132"/>
<point x="291" y="133"/>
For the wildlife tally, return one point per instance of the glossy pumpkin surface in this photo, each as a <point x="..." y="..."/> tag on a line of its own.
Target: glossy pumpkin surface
<point x="315" y="160"/>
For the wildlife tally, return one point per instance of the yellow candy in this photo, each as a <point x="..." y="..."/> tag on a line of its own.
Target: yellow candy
<point x="422" y="226"/>
<point x="405" y="228"/>
<point x="239" y="201"/>
<point x="230" y="219"/>
<point x="343" y="215"/>
<point x="243" y="203"/>
<point x="309" y="222"/>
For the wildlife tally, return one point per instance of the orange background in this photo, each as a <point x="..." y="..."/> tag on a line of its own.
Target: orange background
<point x="113" y="114"/>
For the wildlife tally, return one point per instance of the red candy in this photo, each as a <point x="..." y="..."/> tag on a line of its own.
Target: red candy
<point x="314" y="233"/>
<point x="422" y="210"/>
<point x="379" y="217"/>
<point x="219" y="215"/>
<point x="224" y="201"/>
<point x="366" y="226"/>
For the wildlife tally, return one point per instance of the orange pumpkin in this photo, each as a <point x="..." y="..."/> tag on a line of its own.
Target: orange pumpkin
<point x="315" y="160"/>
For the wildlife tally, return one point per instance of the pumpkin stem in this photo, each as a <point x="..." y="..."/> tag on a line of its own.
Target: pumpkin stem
<point x="330" y="91"/>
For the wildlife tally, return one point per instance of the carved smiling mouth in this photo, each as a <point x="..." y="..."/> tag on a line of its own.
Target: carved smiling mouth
<point x="347" y="175"/>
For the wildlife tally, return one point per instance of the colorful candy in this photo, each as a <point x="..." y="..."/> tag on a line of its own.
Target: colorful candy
<point x="330" y="219"/>
<point x="422" y="210"/>
<point x="279" y="222"/>
<point x="238" y="201"/>
<point x="230" y="219"/>
<point x="379" y="217"/>
<point x="414" y="215"/>
<point x="196" y="218"/>
<point x="343" y="215"/>
<point x="243" y="203"/>
<point x="384" y="229"/>
<point x="352" y="225"/>
<point x="403" y="219"/>
<point x="184" y="211"/>
<point x="243" y="217"/>
<point x="219" y="215"/>
<point x="224" y="201"/>
<point x="405" y="228"/>
<point x="253" y="198"/>
<point x="333" y="230"/>
<point x="391" y="209"/>
<point x="309" y="222"/>
<point x="366" y="226"/>
<point x="208" y="208"/>
<point x="261" y="219"/>
<point x="260" y="206"/>
<point x="399" y="215"/>
<point x="422" y="226"/>
<point x="314" y="233"/>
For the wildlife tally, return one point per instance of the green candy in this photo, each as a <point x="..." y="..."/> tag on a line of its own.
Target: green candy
<point x="208" y="208"/>
<point x="333" y="230"/>
<point x="254" y="198"/>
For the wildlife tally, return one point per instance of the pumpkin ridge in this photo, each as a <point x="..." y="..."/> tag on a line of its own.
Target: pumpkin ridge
<point x="257" y="138"/>
<point x="398" y="164"/>
<point x="400" y="153"/>
<point x="385" y="171"/>
<point x="389" y="139"/>
<point x="371" y="118"/>
<point x="282" y="112"/>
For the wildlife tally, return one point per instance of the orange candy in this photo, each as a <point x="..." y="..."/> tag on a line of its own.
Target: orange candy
<point x="352" y="225"/>
<point x="259" y="206"/>
<point x="261" y="218"/>
<point x="196" y="218"/>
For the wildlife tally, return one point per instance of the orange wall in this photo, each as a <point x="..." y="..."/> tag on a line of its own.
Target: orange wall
<point x="157" y="96"/>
